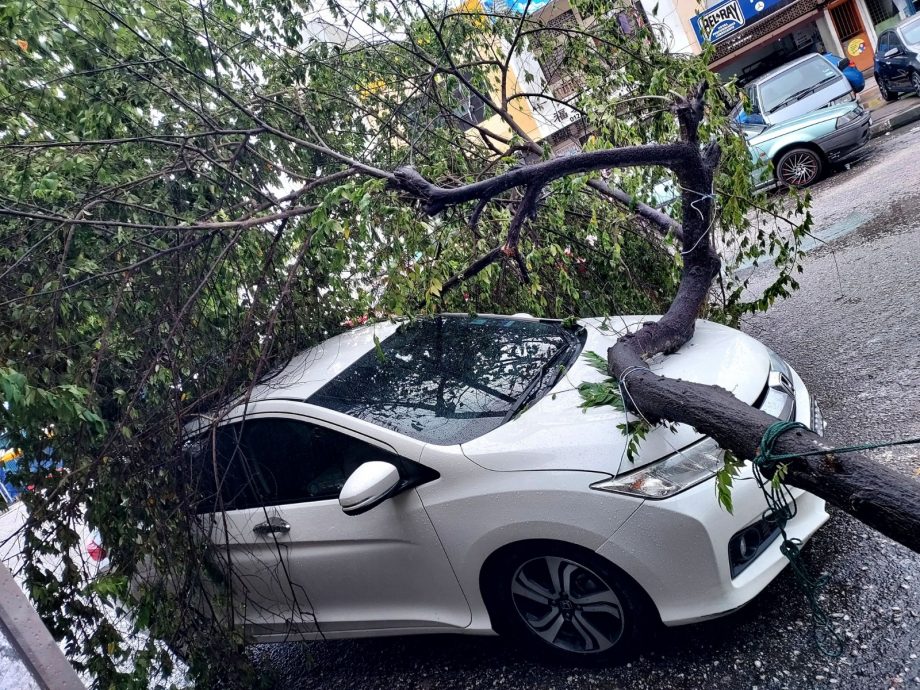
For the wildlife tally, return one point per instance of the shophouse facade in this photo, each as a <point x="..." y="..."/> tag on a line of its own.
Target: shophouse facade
<point x="754" y="36"/>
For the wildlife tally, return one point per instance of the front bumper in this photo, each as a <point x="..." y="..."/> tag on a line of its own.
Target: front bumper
<point x="677" y="549"/>
<point x="849" y="141"/>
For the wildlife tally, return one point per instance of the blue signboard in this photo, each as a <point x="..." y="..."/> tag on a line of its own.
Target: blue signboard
<point x="727" y="17"/>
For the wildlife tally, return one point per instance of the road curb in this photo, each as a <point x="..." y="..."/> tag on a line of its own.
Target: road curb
<point x="905" y="117"/>
<point x="30" y="638"/>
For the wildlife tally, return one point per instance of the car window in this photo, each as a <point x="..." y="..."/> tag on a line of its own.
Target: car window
<point x="883" y="43"/>
<point x="755" y="100"/>
<point x="449" y="379"/>
<point x="265" y="462"/>
<point x="784" y="86"/>
<point x="895" y="42"/>
<point x="911" y="32"/>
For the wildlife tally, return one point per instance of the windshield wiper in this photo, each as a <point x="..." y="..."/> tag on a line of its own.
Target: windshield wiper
<point x="801" y="94"/>
<point x="792" y="99"/>
<point x="534" y="385"/>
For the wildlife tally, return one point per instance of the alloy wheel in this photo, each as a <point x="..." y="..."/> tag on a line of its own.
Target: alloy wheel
<point x="915" y="82"/>
<point x="799" y="168"/>
<point x="567" y="605"/>
<point x="884" y="92"/>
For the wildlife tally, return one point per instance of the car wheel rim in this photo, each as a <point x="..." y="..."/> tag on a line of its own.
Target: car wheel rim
<point x="915" y="80"/>
<point x="567" y="605"/>
<point x="799" y="169"/>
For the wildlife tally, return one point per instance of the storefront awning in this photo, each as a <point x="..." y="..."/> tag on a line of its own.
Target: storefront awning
<point x="779" y="22"/>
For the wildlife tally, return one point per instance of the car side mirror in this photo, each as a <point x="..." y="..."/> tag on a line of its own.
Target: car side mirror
<point x="891" y="52"/>
<point x="843" y="64"/>
<point x="368" y="486"/>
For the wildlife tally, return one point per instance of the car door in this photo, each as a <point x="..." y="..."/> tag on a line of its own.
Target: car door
<point x="883" y="69"/>
<point x="899" y="65"/>
<point x="299" y="566"/>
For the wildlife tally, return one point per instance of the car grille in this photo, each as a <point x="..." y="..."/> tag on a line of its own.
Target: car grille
<point x="778" y="395"/>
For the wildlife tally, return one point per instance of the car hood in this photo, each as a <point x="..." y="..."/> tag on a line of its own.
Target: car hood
<point x="556" y="434"/>
<point x="802" y="122"/>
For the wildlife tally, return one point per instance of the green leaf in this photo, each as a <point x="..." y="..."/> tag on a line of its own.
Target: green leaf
<point x="602" y="393"/>
<point x="596" y="361"/>
<point x="378" y="350"/>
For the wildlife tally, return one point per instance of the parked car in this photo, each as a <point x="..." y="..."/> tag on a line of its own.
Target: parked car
<point x="439" y="475"/>
<point x="797" y="88"/>
<point x="802" y="118"/>
<point x="797" y="152"/>
<point x="897" y="59"/>
<point x="849" y="70"/>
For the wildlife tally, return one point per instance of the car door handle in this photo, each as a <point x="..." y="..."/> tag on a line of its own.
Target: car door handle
<point x="274" y="525"/>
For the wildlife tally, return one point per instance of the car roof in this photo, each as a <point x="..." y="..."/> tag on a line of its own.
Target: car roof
<point x="303" y="375"/>
<point x="311" y="369"/>
<point x="783" y="68"/>
<point x="910" y="20"/>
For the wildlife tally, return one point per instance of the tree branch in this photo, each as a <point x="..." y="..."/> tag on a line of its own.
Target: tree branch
<point x="675" y="156"/>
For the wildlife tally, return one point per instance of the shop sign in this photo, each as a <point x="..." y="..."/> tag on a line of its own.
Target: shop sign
<point x="727" y="17"/>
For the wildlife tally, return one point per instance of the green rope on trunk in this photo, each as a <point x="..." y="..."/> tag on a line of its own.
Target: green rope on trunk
<point x="782" y="508"/>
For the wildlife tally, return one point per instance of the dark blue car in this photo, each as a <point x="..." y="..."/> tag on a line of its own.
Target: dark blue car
<point x="897" y="59"/>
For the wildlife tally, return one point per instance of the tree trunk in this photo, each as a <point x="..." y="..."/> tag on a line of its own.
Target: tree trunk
<point x="867" y="490"/>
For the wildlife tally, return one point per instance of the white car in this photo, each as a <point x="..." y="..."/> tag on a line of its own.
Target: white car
<point x="439" y="475"/>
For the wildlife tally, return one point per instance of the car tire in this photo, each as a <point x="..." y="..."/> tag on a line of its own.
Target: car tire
<point x="568" y="605"/>
<point x="884" y="92"/>
<point x="799" y="168"/>
<point x="915" y="82"/>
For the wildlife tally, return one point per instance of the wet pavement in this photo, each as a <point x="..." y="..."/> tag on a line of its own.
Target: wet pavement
<point x="853" y="332"/>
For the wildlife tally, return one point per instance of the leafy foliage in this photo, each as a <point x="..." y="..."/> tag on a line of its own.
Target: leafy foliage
<point x="635" y="431"/>
<point x="725" y="478"/>
<point x="601" y="393"/>
<point x="606" y="392"/>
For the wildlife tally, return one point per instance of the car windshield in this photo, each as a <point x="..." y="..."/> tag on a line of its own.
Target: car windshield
<point x="450" y="379"/>
<point x="787" y="87"/>
<point x="911" y="32"/>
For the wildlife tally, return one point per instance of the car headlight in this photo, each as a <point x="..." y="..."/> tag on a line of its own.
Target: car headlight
<point x="669" y="476"/>
<point x="849" y="117"/>
<point x="840" y="100"/>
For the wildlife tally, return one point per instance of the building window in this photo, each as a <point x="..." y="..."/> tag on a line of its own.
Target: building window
<point x="470" y="108"/>
<point x="846" y="21"/>
<point x="884" y="14"/>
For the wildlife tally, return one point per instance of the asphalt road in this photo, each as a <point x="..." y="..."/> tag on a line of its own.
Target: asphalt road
<point x="853" y="332"/>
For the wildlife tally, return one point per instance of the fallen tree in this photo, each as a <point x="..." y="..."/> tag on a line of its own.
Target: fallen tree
<point x="192" y="194"/>
<point x="851" y="481"/>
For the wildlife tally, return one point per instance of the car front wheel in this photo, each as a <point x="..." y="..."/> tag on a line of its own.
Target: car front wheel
<point x="572" y="606"/>
<point x="915" y="82"/>
<point x="885" y="92"/>
<point x="799" y="168"/>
